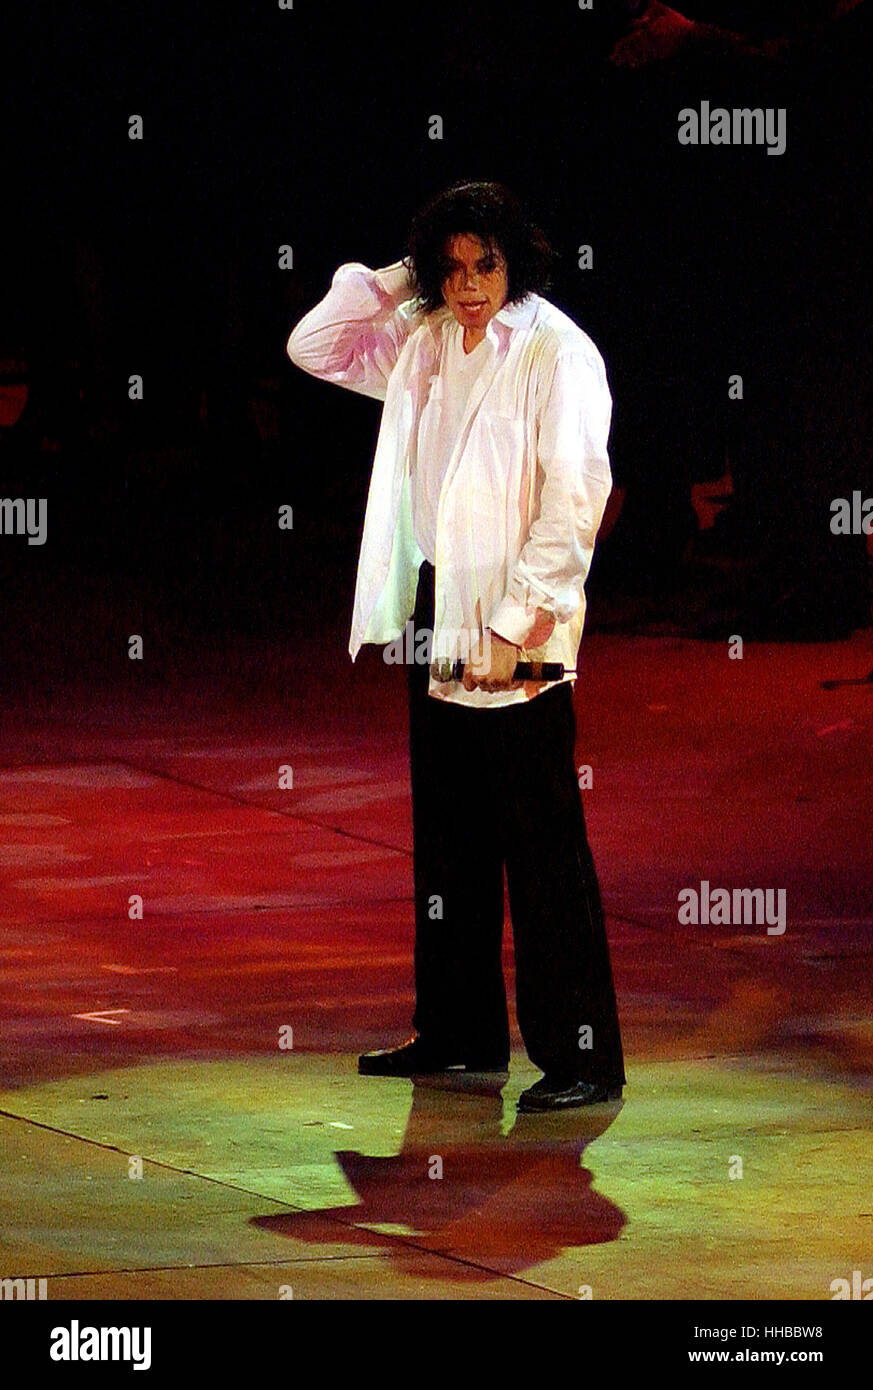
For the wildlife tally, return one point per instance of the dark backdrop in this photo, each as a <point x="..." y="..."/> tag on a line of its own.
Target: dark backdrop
<point x="310" y="127"/>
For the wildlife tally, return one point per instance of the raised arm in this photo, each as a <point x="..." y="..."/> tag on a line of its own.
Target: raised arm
<point x="354" y="335"/>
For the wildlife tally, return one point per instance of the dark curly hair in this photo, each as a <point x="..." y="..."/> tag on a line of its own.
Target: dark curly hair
<point x="491" y="212"/>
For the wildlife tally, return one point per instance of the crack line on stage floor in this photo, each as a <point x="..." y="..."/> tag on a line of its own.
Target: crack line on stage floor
<point x="234" y="797"/>
<point x="222" y="1264"/>
<point x="404" y="1242"/>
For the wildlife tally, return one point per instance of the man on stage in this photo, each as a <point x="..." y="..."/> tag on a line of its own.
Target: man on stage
<point x="489" y="483"/>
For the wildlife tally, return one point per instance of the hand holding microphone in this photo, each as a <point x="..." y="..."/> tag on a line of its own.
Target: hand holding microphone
<point x="502" y="667"/>
<point x="524" y="671"/>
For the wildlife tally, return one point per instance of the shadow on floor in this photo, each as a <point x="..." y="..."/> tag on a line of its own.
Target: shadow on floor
<point x="460" y="1185"/>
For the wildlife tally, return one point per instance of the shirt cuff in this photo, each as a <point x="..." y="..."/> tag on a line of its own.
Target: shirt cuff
<point x="374" y="290"/>
<point x="512" y="622"/>
<point x="394" y="281"/>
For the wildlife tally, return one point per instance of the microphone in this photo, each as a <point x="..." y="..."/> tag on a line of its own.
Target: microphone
<point x="524" y="671"/>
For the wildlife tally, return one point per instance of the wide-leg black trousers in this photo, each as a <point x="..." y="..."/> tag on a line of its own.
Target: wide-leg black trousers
<point x="493" y="788"/>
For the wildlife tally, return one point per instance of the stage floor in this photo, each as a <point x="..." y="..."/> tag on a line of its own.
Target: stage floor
<point x="158" y="1140"/>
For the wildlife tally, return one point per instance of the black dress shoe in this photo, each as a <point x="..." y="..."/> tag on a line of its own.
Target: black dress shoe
<point x="412" y="1058"/>
<point x="559" y="1093"/>
<point x="416" y="1058"/>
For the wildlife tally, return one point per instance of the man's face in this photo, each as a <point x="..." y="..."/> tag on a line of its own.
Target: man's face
<point x="475" y="283"/>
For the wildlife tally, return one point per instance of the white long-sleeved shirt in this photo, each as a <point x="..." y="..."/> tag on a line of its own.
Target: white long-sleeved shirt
<point x="457" y="375"/>
<point x="524" y="489"/>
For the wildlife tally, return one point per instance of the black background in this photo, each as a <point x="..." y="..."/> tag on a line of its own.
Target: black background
<point x="309" y="127"/>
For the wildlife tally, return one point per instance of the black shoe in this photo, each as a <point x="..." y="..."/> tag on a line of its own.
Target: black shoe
<point x="412" y="1058"/>
<point x="559" y="1093"/>
<point x="416" y="1058"/>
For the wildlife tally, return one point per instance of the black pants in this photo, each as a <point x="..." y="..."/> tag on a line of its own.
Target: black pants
<point x="493" y="788"/>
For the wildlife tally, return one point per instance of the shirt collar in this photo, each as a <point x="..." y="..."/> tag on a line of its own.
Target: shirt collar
<point x="518" y="315"/>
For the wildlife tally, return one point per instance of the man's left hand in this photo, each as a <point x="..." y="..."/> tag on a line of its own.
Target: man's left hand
<point x="495" y="666"/>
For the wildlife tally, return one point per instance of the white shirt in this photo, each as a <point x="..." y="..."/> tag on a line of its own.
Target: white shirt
<point x="457" y="373"/>
<point x="525" y="484"/>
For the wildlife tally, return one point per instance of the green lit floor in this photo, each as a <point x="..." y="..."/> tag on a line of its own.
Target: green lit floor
<point x="268" y="1175"/>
